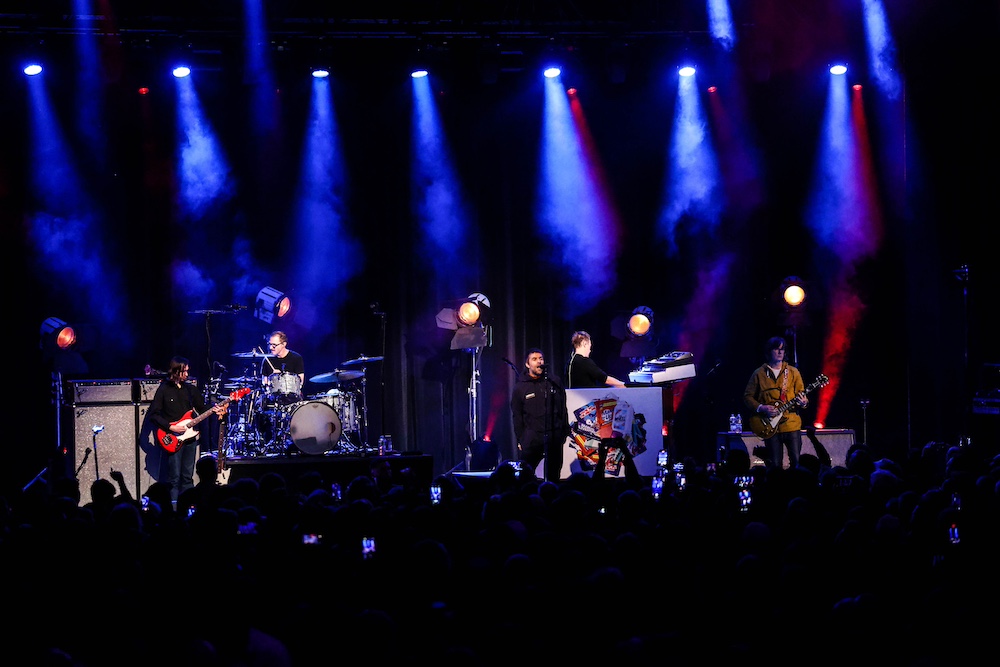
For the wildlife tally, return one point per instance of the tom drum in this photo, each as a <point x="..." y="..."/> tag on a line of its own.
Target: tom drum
<point x="315" y="427"/>
<point x="284" y="388"/>
<point x="345" y="405"/>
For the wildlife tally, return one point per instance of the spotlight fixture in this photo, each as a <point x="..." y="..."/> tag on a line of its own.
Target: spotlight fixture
<point x="418" y="73"/>
<point x="32" y="69"/>
<point x="56" y="334"/>
<point x="468" y="320"/>
<point x="271" y="304"/>
<point x="635" y="329"/>
<point x="640" y="323"/>
<point x="552" y="72"/>
<point x="793" y="294"/>
<point x="838" y="69"/>
<point x="687" y="70"/>
<point x="181" y="71"/>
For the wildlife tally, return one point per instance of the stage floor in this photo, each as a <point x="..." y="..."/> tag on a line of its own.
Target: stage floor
<point x="337" y="468"/>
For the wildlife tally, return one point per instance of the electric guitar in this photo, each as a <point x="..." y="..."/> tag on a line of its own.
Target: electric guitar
<point x="171" y="441"/>
<point x="764" y="426"/>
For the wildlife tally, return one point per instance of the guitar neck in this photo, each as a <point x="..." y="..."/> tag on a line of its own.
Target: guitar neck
<point x="197" y="420"/>
<point x="790" y="402"/>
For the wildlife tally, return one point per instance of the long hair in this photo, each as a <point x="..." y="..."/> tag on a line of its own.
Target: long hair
<point x="176" y="367"/>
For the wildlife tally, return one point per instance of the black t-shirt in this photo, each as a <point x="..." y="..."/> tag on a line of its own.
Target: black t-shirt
<point x="290" y="363"/>
<point x="583" y="373"/>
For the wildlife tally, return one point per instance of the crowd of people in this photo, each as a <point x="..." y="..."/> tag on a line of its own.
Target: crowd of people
<point x="780" y="563"/>
<point x="878" y="559"/>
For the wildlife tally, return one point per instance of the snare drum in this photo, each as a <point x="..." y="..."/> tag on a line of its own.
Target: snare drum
<point x="315" y="427"/>
<point x="343" y="402"/>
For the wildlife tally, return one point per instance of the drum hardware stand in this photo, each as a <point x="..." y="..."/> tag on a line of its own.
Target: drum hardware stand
<point x="364" y="414"/>
<point x="379" y="312"/>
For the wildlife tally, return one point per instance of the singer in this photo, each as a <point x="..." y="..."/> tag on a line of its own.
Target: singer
<point x="538" y="406"/>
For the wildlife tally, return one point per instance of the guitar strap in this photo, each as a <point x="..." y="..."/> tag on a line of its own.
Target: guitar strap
<point x="784" y="385"/>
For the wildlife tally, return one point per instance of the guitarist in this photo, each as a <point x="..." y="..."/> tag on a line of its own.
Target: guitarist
<point x="176" y="400"/>
<point x="773" y="383"/>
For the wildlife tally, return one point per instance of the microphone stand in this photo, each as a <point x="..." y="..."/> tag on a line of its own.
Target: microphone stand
<point x="547" y="437"/>
<point x="381" y="417"/>
<point x="86" y="455"/>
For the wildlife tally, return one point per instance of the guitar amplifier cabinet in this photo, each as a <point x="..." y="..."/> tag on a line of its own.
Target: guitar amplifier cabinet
<point x="95" y="455"/>
<point x="101" y="391"/>
<point x="145" y="388"/>
<point x="834" y="441"/>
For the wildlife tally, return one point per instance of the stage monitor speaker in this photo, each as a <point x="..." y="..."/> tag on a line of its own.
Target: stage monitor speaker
<point x="95" y="455"/>
<point x="835" y="442"/>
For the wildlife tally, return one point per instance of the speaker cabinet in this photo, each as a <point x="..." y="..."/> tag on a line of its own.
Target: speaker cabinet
<point x="95" y="455"/>
<point x="834" y="442"/>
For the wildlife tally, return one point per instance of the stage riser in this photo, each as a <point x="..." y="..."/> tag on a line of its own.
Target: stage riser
<point x="339" y="469"/>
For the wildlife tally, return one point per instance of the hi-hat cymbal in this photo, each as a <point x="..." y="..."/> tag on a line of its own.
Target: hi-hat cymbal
<point x="360" y="360"/>
<point x="337" y="376"/>
<point x="248" y="355"/>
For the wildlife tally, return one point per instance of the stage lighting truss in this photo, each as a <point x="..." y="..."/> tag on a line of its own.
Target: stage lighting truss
<point x="271" y="304"/>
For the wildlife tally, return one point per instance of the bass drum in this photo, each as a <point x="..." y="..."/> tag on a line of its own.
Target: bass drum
<point x="315" y="427"/>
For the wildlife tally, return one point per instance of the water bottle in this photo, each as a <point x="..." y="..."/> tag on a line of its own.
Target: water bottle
<point x="739" y="423"/>
<point x="734" y="425"/>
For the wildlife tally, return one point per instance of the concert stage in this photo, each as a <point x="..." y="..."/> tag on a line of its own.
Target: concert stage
<point x="334" y="468"/>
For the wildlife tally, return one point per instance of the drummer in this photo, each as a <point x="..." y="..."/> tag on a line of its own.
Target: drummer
<point x="283" y="367"/>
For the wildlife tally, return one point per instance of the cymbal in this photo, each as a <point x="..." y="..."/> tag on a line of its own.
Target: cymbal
<point x="248" y="355"/>
<point x="337" y="376"/>
<point x="360" y="360"/>
<point x="242" y="380"/>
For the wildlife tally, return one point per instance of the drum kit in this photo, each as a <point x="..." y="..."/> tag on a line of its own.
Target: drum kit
<point x="276" y="419"/>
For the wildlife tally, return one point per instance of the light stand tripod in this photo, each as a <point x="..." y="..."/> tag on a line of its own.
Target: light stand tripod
<point x="57" y="401"/>
<point x="864" y="417"/>
<point x="474" y="396"/>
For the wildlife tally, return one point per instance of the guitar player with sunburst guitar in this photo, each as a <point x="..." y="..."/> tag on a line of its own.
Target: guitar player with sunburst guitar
<point x="775" y="395"/>
<point x="173" y="410"/>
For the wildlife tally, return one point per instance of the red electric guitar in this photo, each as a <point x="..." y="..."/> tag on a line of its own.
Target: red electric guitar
<point x="171" y="441"/>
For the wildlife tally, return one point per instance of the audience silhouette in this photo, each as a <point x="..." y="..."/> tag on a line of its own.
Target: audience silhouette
<point x="888" y="559"/>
